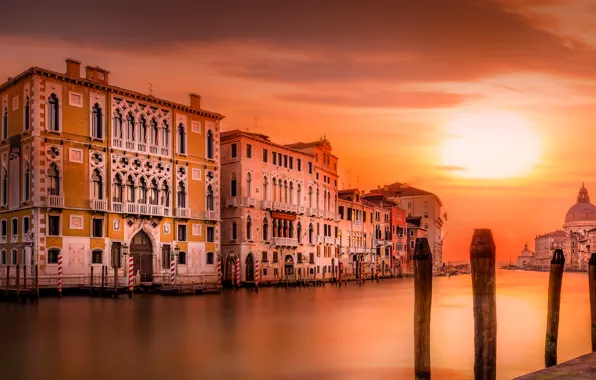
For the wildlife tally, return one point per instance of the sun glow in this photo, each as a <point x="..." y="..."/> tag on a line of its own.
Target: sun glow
<point x="490" y="145"/>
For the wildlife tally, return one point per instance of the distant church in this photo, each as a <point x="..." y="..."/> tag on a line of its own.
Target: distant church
<point x="577" y="238"/>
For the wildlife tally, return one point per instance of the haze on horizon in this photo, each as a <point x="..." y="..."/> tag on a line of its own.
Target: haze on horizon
<point x="399" y="88"/>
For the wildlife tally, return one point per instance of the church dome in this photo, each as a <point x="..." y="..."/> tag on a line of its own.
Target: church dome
<point x="583" y="210"/>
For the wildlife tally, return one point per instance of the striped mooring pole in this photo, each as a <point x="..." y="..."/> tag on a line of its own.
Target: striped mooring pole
<point x="257" y="275"/>
<point x="172" y="269"/>
<point x="218" y="272"/>
<point x="59" y="275"/>
<point x="237" y="262"/>
<point x="131" y="277"/>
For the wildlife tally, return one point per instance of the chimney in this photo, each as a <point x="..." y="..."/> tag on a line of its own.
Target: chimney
<point x="195" y="101"/>
<point x="73" y="68"/>
<point x="96" y="73"/>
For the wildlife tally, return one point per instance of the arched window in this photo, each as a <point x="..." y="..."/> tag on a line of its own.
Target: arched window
<point x="142" y="190"/>
<point x="5" y="124"/>
<point x="291" y="233"/>
<point x="182" y="258"/>
<point x="299" y="232"/>
<point x="53" y="112"/>
<point x="165" y="194"/>
<point x="234" y="231"/>
<point x="264" y="188"/>
<point x="233" y="186"/>
<point x="130" y="127"/>
<point x="310" y="234"/>
<point x="96" y="122"/>
<point x="310" y="196"/>
<point x="291" y="199"/>
<point x="14" y="257"/>
<point x="97" y="185"/>
<point x="274" y="228"/>
<point x="181" y="139"/>
<point x="154" y="194"/>
<point x="285" y="229"/>
<point x="130" y="189"/>
<point x="210" y="203"/>
<point x="249" y="228"/>
<point x="273" y="190"/>
<point x="248" y="185"/>
<point x="4" y="228"/>
<point x="54" y="179"/>
<point x="210" y="147"/>
<point x="96" y="256"/>
<point x="181" y="195"/>
<point x="165" y="134"/>
<point x="117" y="197"/>
<point x="27" y="114"/>
<point x="27" y="182"/>
<point x="154" y="133"/>
<point x="3" y="257"/>
<point x="117" y="125"/>
<point x="143" y="130"/>
<point x="265" y="230"/>
<point x="53" y="254"/>
<point x="280" y="226"/>
<point x="317" y="200"/>
<point x="299" y="195"/>
<point x="210" y="258"/>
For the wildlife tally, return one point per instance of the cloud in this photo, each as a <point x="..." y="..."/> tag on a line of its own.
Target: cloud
<point x="449" y="168"/>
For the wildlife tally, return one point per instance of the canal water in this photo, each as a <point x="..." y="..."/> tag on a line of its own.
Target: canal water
<point x="343" y="333"/>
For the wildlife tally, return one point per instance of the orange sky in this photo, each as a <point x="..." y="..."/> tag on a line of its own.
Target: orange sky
<point x="381" y="80"/>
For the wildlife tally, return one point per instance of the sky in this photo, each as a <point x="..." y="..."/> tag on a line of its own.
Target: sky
<point x="490" y="104"/>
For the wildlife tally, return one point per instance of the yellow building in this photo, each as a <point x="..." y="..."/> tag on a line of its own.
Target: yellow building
<point x="91" y="172"/>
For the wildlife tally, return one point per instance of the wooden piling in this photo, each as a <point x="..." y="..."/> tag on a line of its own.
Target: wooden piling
<point x="482" y="261"/>
<point x="555" y="281"/>
<point x="36" y="283"/>
<point x="24" y="276"/>
<point x="91" y="282"/>
<point x="115" y="281"/>
<point x="592" y="287"/>
<point x="7" y="280"/>
<point x="18" y="281"/>
<point x="422" y="306"/>
<point x="103" y="278"/>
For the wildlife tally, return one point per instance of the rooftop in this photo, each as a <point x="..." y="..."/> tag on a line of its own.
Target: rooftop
<point x="399" y="189"/>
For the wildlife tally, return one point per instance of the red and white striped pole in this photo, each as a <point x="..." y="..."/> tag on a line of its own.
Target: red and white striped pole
<point x="131" y="280"/>
<point x="59" y="275"/>
<point x="218" y="272"/>
<point x="257" y="275"/>
<point x="237" y="272"/>
<point x="172" y="269"/>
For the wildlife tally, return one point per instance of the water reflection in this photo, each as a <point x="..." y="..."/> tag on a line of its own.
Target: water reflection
<point x="324" y="333"/>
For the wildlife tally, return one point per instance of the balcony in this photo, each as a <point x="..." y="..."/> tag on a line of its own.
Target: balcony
<point x="285" y="242"/>
<point x="117" y="143"/>
<point x="232" y="202"/>
<point x="337" y="217"/>
<point x="153" y="149"/>
<point x="294" y="209"/>
<point x="320" y="239"/>
<point x="312" y="211"/>
<point x="321" y="213"/>
<point x="379" y="242"/>
<point x="338" y="241"/>
<point x="267" y="205"/>
<point x="250" y="202"/>
<point x="55" y="201"/>
<point x="279" y="206"/>
<point x="130" y="145"/>
<point x="329" y="240"/>
<point x="210" y="215"/>
<point x="99" y="204"/>
<point x="357" y="222"/>
<point x="165" y="151"/>
<point x="182" y="212"/>
<point x="301" y="210"/>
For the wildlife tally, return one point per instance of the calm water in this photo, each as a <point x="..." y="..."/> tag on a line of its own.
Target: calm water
<point x="305" y="333"/>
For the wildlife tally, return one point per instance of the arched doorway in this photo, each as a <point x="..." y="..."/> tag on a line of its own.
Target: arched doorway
<point x="141" y="250"/>
<point x="250" y="268"/>
<point x="289" y="266"/>
<point x="383" y="269"/>
<point x="229" y="269"/>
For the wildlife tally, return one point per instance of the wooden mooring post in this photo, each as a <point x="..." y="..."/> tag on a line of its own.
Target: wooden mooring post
<point x="91" y="283"/>
<point x="7" y="280"/>
<point x="423" y="282"/>
<point x="18" y="281"/>
<point x="554" y="304"/>
<point x="116" y="281"/>
<point x="104" y="269"/>
<point x="37" y="282"/>
<point x="482" y="260"/>
<point x="592" y="286"/>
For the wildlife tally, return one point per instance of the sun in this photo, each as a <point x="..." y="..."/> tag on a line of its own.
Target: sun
<point x="490" y="145"/>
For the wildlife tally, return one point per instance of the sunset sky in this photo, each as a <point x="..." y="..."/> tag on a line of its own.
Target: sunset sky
<point x="400" y="88"/>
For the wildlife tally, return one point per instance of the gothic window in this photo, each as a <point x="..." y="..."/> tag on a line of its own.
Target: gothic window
<point x="53" y="111"/>
<point x="248" y="185"/>
<point x="165" y="135"/>
<point x="130" y="127"/>
<point x="27" y="114"/>
<point x="273" y="190"/>
<point x="165" y="194"/>
<point x="249" y="228"/>
<point x="97" y="191"/>
<point x="143" y="130"/>
<point x="117" y="197"/>
<point x="5" y="124"/>
<point x="27" y="182"/>
<point x="54" y="180"/>
<point x="299" y="232"/>
<point x="310" y="196"/>
<point x="291" y="234"/>
<point x="234" y="231"/>
<point x="96" y="122"/>
<point x="299" y="195"/>
<point x="265" y="230"/>
<point x="210" y="145"/>
<point x="210" y="200"/>
<point x="233" y="186"/>
<point x="117" y="125"/>
<point x="181" y="195"/>
<point x="154" y="132"/>
<point x="142" y="190"/>
<point x="181" y="139"/>
<point x="310" y="234"/>
<point x="264" y="188"/>
<point x="130" y="189"/>
<point x="154" y="194"/>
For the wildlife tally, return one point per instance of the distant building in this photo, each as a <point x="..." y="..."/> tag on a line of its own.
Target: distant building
<point x="423" y="204"/>
<point x="415" y="230"/>
<point x="526" y="258"/>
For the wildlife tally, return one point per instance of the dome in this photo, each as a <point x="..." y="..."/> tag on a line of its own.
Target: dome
<point x="583" y="210"/>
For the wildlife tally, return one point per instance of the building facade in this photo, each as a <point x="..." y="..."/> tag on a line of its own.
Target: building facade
<point x="279" y="207"/>
<point x="526" y="257"/>
<point x="91" y="172"/>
